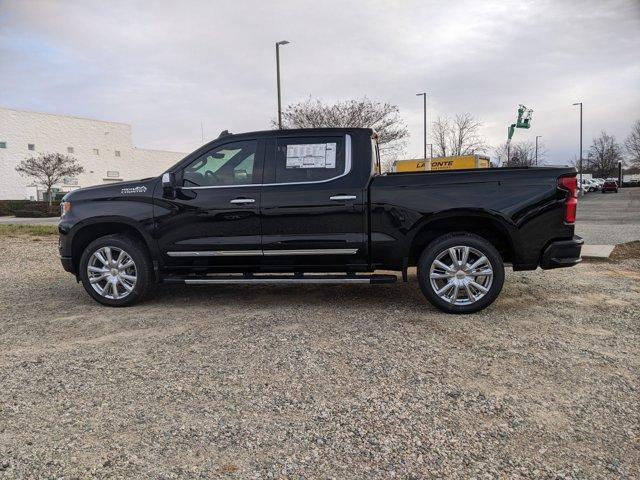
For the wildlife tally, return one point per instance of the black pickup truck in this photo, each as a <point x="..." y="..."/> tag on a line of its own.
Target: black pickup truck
<point x="310" y="206"/>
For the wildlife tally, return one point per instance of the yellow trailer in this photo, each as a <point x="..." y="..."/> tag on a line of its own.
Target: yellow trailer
<point x="411" y="165"/>
<point x="459" y="162"/>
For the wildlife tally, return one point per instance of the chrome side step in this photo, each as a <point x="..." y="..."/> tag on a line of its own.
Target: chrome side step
<point x="280" y="279"/>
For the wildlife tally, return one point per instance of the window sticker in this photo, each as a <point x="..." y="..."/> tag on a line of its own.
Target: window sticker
<point x="311" y="155"/>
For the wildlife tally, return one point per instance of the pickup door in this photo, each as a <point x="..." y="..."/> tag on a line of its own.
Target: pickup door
<point x="312" y="207"/>
<point x="214" y="220"/>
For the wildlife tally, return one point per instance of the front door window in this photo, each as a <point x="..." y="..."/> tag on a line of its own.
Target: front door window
<point x="229" y="164"/>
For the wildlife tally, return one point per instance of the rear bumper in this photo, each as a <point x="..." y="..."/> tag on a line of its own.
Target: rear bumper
<point x="562" y="253"/>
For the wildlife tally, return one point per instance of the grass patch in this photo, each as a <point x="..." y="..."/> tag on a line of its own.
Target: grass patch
<point x="33" y="230"/>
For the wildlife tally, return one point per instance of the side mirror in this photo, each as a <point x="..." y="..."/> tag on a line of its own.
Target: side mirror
<point x="168" y="184"/>
<point x="168" y="179"/>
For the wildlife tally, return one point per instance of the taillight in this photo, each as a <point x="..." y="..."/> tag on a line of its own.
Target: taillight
<point x="569" y="184"/>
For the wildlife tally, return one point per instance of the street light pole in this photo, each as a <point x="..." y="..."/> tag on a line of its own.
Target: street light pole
<point x="537" y="137"/>
<point x="424" y="95"/>
<point x="580" y="161"/>
<point x="281" y="42"/>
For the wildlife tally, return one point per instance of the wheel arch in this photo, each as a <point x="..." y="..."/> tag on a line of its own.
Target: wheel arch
<point x="89" y="232"/>
<point x="491" y="229"/>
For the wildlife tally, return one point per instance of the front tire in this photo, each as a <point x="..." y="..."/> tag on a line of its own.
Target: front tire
<point x="460" y="273"/>
<point x="116" y="270"/>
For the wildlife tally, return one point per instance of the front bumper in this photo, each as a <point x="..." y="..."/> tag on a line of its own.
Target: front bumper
<point x="562" y="253"/>
<point x="64" y="248"/>
<point x="67" y="264"/>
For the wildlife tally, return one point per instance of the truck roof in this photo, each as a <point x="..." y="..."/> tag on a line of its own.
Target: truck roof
<point x="296" y="131"/>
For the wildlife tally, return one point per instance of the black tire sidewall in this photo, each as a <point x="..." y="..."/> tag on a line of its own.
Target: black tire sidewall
<point x="442" y="243"/>
<point x="140" y="258"/>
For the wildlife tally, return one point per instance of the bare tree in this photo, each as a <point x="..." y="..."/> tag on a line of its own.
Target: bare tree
<point x="49" y="169"/>
<point x="440" y="136"/>
<point x="384" y="118"/>
<point x="458" y="136"/>
<point x="603" y="157"/>
<point x="632" y="144"/>
<point x="465" y="136"/>
<point x="523" y="154"/>
<point x="500" y="152"/>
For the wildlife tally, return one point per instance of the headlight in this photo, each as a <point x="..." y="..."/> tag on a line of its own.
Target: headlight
<point x="65" y="207"/>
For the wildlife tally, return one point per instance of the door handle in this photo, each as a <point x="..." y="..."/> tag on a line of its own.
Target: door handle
<point x="337" y="198"/>
<point x="242" y="200"/>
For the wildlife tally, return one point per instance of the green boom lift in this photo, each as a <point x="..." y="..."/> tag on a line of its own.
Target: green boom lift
<point x="523" y="121"/>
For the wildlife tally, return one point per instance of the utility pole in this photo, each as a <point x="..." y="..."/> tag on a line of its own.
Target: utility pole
<point x="580" y="160"/>
<point x="537" y="137"/>
<point x="281" y="42"/>
<point x="619" y="174"/>
<point x="424" y="95"/>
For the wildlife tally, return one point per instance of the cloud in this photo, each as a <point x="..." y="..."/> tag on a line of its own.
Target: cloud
<point x="167" y="66"/>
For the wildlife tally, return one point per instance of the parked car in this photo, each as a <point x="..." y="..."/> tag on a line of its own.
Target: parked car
<point x="591" y="185"/>
<point x="610" y="185"/>
<point x="594" y="185"/>
<point x="583" y="186"/>
<point x="310" y="206"/>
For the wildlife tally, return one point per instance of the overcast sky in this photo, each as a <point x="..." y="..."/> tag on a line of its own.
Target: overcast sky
<point x="166" y="66"/>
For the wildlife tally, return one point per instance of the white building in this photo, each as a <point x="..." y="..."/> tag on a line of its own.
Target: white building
<point x="104" y="149"/>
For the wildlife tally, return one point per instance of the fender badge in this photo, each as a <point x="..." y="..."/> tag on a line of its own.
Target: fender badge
<point x="138" y="189"/>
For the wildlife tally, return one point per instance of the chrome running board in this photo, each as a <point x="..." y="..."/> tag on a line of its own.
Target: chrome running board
<point x="280" y="279"/>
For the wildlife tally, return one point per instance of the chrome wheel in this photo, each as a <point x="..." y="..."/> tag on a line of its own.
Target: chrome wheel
<point x="461" y="275"/>
<point x="112" y="272"/>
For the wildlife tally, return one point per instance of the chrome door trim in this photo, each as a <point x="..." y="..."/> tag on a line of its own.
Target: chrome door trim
<point x="217" y="253"/>
<point x="267" y="253"/>
<point x="243" y="200"/>
<point x="347" y="171"/>
<point x="312" y="251"/>
<point x="342" y="197"/>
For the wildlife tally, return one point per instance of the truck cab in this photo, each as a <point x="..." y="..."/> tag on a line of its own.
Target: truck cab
<point x="263" y="201"/>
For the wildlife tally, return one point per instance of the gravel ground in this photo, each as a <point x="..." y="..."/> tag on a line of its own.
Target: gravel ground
<point x="318" y="381"/>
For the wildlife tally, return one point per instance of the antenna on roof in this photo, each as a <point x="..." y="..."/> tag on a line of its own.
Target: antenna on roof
<point x="224" y="133"/>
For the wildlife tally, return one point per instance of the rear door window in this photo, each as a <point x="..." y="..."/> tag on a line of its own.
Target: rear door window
<point x="309" y="159"/>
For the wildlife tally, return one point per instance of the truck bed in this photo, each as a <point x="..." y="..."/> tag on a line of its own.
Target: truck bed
<point x="522" y="203"/>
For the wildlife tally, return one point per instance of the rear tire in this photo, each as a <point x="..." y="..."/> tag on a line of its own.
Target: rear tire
<point x="455" y="285"/>
<point x="116" y="270"/>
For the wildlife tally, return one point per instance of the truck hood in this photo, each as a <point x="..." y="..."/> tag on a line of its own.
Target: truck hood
<point x="120" y="190"/>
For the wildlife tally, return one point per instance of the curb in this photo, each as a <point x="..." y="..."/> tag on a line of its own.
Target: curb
<point x="597" y="251"/>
